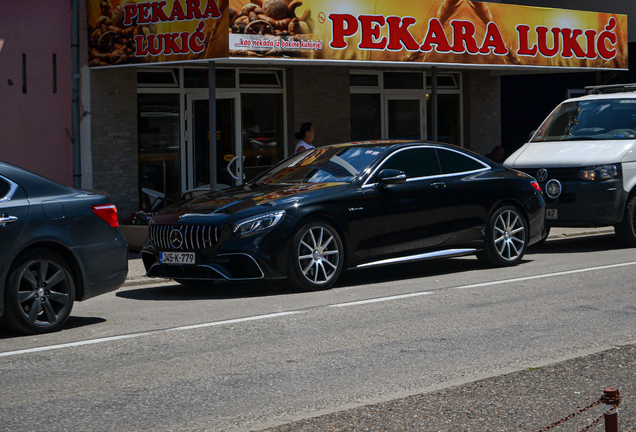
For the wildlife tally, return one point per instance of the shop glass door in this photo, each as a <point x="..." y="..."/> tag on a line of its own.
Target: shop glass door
<point x="404" y="119"/>
<point x="261" y="132"/>
<point x="228" y="168"/>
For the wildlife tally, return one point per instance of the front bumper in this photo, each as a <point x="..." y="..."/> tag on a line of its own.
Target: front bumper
<point x="218" y="256"/>
<point x="586" y="203"/>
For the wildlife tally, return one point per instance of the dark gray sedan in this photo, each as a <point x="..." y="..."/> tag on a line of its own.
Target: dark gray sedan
<point x="57" y="245"/>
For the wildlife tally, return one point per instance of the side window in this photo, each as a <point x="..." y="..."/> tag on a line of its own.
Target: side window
<point x="416" y="162"/>
<point x="453" y="162"/>
<point x="4" y="188"/>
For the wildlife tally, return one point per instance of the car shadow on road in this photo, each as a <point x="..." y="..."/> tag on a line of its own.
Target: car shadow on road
<point x="72" y="323"/>
<point x="206" y="291"/>
<point x="596" y="243"/>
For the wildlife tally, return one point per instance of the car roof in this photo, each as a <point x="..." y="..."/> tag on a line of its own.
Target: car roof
<point x="34" y="184"/>
<point x="603" y="96"/>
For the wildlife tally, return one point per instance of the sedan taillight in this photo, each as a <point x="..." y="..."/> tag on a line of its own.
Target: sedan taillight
<point x="536" y="186"/>
<point x="108" y="212"/>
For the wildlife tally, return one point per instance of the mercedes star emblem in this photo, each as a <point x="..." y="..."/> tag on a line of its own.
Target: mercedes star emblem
<point x="176" y="238"/>
<point x="542" y="175"/>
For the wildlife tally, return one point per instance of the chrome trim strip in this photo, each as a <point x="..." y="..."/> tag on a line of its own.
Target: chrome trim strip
<point x="486" y="168"/>
<point x="429" y="255"/>
<point x="12" y="188"/>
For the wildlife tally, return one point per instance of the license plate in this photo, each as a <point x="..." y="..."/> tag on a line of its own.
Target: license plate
<point x="552" y="214"/>
<point x="176" y="258"/>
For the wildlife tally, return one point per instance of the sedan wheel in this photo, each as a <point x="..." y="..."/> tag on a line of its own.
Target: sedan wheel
<point x="40" y="293"/>
<point x="316" y="257"/>
<point x="506" y="238"/>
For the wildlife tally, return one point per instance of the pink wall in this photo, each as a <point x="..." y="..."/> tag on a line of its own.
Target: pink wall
<point x="35" y="128"/>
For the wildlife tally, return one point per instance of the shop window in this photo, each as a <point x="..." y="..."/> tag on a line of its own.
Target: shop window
<point x="267" y="79"/>
<point x="159" y="146"/>
<point x="366" y="117"/>
<point x="198" y="78"/>
<point x="453" y="162"/>
<point x="448" y="118"/>
<point x="157" y="78"/>
<point x="403" y="80"/>
<point x="262" y="132"/>
<point x="364" y="80"/>
<point x="444" y="81"/>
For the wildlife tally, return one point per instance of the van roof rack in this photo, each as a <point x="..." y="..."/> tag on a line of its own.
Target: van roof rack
<point x="613" y="88"/>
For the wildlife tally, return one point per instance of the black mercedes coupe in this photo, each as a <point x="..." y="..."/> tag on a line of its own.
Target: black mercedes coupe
<point x="344" y="206"/>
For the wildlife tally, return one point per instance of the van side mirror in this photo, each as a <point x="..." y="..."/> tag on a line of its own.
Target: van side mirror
<point x="390" y="176"/>
<point x="531" y="134"/>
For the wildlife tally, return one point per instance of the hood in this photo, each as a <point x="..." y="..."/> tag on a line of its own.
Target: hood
<point x="569" y="154"/>
<point x="248" y="197"/>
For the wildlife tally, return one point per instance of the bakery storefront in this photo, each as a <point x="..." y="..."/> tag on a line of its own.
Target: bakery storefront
<point x="357" y="70"/>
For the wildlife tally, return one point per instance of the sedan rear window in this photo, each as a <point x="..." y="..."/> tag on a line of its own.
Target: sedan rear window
<point x="4" y="188"/>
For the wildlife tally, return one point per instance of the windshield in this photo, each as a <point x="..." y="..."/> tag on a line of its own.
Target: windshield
<point x="322" y="165"/>
<point x="608" y="119"/>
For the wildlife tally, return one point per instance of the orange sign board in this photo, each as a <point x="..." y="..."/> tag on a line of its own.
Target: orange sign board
<point x="414" y="31"/>
<point x="429" y="31"/>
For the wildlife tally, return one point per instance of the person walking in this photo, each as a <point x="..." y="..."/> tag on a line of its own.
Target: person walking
<point x="306" y="137"/>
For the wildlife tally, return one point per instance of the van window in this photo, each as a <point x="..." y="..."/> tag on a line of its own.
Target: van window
<point x="600" y="119"/>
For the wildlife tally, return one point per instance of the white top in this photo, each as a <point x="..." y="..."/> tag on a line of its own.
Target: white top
<point x="302" y="145"/>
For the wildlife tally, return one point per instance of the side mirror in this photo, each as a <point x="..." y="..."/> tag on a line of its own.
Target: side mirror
<point x="531" y="135"/>
<point x="390" y="176"/>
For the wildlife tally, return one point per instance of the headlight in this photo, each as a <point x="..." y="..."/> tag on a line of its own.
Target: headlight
<point x="602" y="172"/>
<point x="258" y="223"/>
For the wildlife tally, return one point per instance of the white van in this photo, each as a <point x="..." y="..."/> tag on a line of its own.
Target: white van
<point x="584" y="158"/>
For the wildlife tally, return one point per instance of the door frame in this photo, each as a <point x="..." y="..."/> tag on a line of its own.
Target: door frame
<point x="187" y="169"/>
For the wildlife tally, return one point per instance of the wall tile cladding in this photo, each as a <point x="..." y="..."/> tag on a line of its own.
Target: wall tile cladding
<point x="321" y="96"/>
<point x="114" y="136"/>
<point x="482" y="111"/>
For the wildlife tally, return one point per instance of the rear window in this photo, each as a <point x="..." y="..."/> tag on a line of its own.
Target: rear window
<point x="4" y="188"/>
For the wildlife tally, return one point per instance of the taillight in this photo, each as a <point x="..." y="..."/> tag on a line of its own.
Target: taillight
<point x="536" y="186"/>
<point x="108" y="212"/>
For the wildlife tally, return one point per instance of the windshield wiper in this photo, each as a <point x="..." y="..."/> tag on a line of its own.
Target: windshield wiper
<point x="571" y="138"/>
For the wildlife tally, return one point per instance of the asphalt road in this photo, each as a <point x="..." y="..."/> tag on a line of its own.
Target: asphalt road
<point x="228" y="358"/>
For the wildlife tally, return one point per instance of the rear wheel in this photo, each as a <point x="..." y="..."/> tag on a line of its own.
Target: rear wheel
<point x="316" y="257"/>
<point x="506" y="238"/>
<point x="626" y="230"/>
<point x="40" y="293"/>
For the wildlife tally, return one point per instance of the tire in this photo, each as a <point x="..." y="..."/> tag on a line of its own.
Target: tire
<point x="506" y="238"/>
<point x="626" y="230"/>
<point x="316" y="257"/>
<point x="39" y="294"/>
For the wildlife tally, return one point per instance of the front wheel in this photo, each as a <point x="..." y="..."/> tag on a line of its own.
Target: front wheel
<point x="506" y="238"/>
<point x="316" y="257"/>
<point x="626" y="230"/>
<point x="40" y="293"/>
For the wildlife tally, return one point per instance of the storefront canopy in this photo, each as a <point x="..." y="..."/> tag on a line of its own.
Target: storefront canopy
<point x="432" y="32"/>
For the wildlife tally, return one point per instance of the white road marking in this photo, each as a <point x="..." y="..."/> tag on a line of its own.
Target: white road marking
<point x="281" y="314"/>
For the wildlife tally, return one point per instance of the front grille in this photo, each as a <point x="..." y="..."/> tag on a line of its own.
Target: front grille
<point x="561" y="174"/>
<point x="183" y="237"/>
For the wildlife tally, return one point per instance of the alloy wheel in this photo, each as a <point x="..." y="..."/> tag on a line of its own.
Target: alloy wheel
<point x="509" y="235"/>
<point x="44" y="292"/>
<point x="318" y="255"/>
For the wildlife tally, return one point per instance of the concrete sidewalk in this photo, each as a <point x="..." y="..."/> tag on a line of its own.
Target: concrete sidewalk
<point x="137" y="273"/>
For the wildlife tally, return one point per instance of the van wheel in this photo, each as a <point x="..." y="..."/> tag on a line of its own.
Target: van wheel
<point x="626" y="230"/>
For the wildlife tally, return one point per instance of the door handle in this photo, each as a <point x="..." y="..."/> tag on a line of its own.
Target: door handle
<point x="439" y="185"/>
<point x="5" y="219"/>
